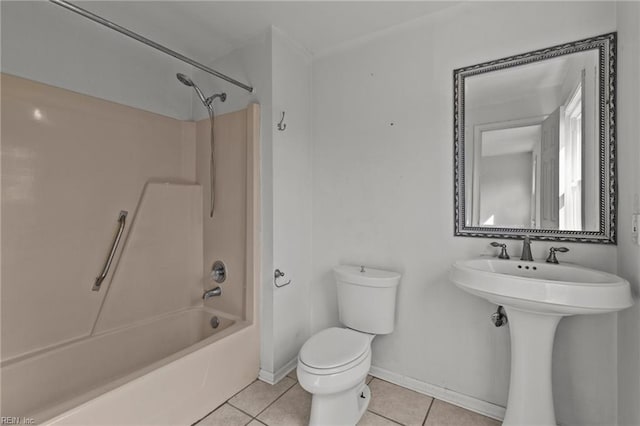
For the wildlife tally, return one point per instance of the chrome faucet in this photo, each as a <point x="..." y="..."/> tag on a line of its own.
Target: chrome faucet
<point x="212" y="293"/>
<point x="526" y="249"/>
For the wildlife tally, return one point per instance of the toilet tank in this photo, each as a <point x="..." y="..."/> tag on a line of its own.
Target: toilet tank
<point x="367" y="298"/>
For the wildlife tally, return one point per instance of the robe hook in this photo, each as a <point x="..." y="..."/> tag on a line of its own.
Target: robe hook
<point x="282" y="126"/>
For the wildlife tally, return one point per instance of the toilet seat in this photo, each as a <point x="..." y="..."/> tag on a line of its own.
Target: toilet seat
<point x="335" y="350"/>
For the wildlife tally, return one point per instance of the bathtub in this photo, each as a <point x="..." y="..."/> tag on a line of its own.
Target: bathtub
<point x="172" y="369"/>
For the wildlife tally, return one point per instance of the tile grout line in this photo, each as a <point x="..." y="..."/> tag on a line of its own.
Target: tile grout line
<point x="240" y="409"/>
<point x="226" y="402"/>
<point x="426" y="416"/>
<point x="390" y="419"/>
<point x="295" y="382"/>
<point x="242" y="389"/>
<point x="289" y="388"/>
<point x="274" y="401"/>
<point x="207" y="415"/>
<point x="252" y="419"/>
<point x="220" y="406"/>
<point x="386" y="418"/>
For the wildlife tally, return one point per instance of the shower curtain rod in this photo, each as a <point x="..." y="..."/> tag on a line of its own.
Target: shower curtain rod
<point x="144" y="40"/>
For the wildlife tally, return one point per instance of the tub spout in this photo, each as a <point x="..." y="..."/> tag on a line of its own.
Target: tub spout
<point x="212" y="293"/>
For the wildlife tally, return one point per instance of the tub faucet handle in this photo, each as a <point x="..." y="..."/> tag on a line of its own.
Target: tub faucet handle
<point x="219" y="272"/>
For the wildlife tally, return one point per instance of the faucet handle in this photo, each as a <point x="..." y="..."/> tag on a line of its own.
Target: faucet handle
<point x="552" y="254"/>
<point x="503" y="253"/>
<point x="219" y="272"/>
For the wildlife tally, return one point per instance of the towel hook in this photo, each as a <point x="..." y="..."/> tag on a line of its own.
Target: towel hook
<point x="282" y="126"/>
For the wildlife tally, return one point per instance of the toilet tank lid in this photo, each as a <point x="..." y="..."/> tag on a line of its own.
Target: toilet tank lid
<point x="370" y="277"/>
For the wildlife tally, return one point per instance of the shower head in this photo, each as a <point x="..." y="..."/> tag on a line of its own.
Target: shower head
<point x="184" y="79"/>
<point x="206" y="101"/>
<point x="188" y="82"/>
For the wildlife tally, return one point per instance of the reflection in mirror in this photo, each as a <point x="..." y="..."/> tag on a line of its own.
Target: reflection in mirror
<point x="534" y="144"/>
<point x="505" y="172"/>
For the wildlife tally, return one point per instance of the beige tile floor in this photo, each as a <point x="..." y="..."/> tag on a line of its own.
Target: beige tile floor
<point x="287" y="404"/>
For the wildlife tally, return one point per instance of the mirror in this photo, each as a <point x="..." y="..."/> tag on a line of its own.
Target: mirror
<point x="534" y="144"/>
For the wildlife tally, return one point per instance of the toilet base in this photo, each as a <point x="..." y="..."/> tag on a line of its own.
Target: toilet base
<point x="340" y="409"/>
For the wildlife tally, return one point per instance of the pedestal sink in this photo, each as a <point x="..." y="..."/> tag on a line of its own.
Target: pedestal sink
<point x="536" y="295"/>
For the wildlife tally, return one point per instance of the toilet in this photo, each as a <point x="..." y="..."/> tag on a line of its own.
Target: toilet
<point x="333" y="364"/>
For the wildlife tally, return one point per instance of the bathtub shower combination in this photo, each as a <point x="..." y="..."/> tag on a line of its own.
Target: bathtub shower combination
<point x="144" y="348"/>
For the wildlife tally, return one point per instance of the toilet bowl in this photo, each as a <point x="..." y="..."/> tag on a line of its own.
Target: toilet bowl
<point x="333" y="364"/>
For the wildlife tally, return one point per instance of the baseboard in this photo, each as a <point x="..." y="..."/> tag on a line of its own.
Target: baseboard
<point x="465" y="401"/>
<point x="273" y="378"/>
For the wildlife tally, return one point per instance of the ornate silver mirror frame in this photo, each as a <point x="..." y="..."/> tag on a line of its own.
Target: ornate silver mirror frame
<point x="606" y="234"/>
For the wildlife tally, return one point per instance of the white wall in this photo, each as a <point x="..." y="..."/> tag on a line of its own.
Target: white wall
<point x="45" y="43"/>
<point x="382" y="196"/>
<point x="291" y="200"/>
<point x="250" y="64"/>
<point x="505" y="181"/>
<point x="629" y="201"/>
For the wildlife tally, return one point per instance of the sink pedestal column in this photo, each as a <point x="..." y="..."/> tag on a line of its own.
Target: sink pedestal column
<point x="530" y="390"/>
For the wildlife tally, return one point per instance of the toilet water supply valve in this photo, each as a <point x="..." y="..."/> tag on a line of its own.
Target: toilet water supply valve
<point x="499" y="317"/>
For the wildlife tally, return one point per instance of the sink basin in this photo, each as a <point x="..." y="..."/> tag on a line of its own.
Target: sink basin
<point x="563" y="289"/>
<point x="536" y="296"/>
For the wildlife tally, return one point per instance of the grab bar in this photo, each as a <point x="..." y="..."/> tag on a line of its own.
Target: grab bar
<point x="122" y="218"/>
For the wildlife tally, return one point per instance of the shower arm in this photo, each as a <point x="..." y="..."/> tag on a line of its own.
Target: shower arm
<point x="100" y="20"/>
